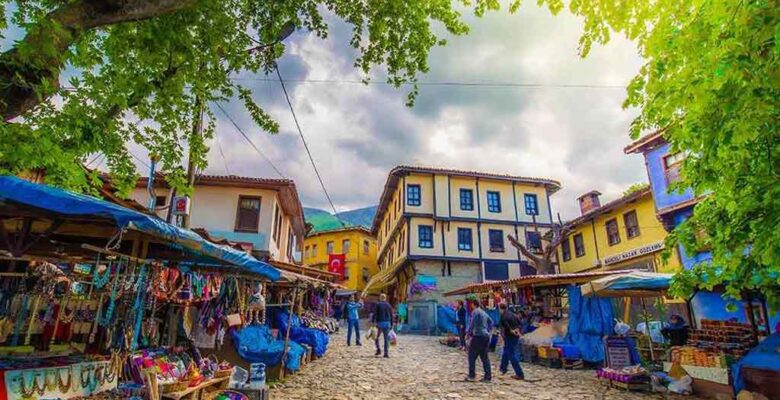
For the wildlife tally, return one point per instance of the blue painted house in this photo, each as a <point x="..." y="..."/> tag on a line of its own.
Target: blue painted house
<point x="672" y="208"/>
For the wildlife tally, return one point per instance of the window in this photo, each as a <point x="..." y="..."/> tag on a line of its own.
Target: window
<point x="346" y="272"/>
<point x="366" y="275"/>
<point x="365" y="247"/>
<point x="413" y="195"/>
<point x="425" y="236"/>
<point x="277" y="224"/>
<point x="566" y="249"/>
<point x="494" y="201"/>
<point x="496" y="271"/>
<point x="314" y="250"/>
<point x="329" y="246"/>
<point x="496" y="237"/>
<point x="345" y="244"/>
<point x="613" y="234"/>
<point x="533" y="241"/>
<point x="401" y="242"/>
<point x="531" y="205"/>
<point x="159" y="201"/>
<point x="248" y="214"/>
<point x="467" y="200"/>
<point x="306" y="251"/>
<point x="464" y="239"/>
<point x="672" y="164"/>
<point x="579" y="245"/>
<point x="632" y="224"/>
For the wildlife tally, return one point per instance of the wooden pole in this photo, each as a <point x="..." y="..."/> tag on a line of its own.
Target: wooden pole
<point x="647" y="328"/>
<point x="289" y="325"/>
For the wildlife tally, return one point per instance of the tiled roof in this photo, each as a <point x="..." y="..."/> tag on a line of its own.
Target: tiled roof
<point x="360" y="228"/>
<point x="610" y="206"/>
<point x="646" y="140"/>
<point x="394" y="175"/>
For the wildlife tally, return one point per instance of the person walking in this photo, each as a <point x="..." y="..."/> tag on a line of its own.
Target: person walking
<point x="383" y="319"/>
<point x="351" y="313"/>
<point x="460" y="323"/>
<point x="510" y="330"/>
<point x="480" y="340"/>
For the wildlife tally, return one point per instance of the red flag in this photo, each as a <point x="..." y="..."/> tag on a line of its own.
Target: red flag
<point x="336" y="263"/>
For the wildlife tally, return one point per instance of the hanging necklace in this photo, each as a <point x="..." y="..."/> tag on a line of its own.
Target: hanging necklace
<point x="49" y="385"/>
<point x="99" y="280"/>
<point x="39" y="389"/>
<point x="85" y="383"/>
<point x="64" y="387"/>
<point x="106" y="317"/>
<point x="27" y="393"/>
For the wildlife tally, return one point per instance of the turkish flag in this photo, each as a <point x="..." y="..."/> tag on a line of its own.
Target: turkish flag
<point x="336" y="263"/>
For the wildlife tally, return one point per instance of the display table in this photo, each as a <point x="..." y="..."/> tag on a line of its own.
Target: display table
<point x="60" y="381"/>
<point x="708" y="381"/>
<point x="197" y="392"/>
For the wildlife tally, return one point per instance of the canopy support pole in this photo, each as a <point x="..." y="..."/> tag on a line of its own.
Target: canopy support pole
<point x="289" y="325"/>
<point x="647" y="328"/>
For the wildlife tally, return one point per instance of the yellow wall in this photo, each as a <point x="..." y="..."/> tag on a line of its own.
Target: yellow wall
<point x="356" y="258"/>
<point x="650" y="231"/>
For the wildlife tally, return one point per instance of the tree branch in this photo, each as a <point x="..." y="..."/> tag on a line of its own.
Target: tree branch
<point x="536" y="260"/>
<point x="29" y="73"/>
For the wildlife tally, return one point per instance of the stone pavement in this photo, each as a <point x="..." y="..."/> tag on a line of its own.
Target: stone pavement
<point x="421" y="368"/>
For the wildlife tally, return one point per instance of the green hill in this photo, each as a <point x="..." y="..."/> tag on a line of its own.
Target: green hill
<point x="323" y="220"/>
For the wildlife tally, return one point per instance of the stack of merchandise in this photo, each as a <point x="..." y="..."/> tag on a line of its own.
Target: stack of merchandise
<point x="632" y="374"/>
<point x="175" y="370"/>
<point x="311" y="319"/>
<point x="723" y="337"/>
<point x="688" y="355"/>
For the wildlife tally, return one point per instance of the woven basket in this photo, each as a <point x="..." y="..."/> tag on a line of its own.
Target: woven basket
<point x="172" y="387"/>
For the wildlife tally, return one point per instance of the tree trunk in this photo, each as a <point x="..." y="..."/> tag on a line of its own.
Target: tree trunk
<point x="29" y="73"/>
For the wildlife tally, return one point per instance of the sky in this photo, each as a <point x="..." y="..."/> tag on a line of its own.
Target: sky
<point x="357" y="133"/>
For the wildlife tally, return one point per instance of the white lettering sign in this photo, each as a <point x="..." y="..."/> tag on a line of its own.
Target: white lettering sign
<point x="640" y="251"/>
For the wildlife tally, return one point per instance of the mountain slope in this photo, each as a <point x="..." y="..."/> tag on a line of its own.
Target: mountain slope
<point x="323" y="221"/>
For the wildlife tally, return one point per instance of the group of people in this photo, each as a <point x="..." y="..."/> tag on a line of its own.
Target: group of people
<point x="480" y="332"/>
<point x="381" y="318"/>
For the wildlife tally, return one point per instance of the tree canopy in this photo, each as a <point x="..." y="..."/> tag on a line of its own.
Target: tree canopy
<point x="710" y="79"/>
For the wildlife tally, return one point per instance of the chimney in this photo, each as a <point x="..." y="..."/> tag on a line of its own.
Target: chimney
<point x="589" y="201"/>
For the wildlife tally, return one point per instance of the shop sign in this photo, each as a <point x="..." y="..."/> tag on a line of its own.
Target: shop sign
<point x="640" y="251"/>
<point x="181" y="205"/>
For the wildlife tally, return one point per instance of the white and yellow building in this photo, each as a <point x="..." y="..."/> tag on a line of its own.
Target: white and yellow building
<point x="264" y="215"/>
<point x="441" y="229"/>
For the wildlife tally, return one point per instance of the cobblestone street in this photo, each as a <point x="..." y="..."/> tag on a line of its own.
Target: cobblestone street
<point x="421" y="368"/>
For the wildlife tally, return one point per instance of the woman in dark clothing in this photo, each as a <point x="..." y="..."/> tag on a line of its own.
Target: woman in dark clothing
<point x="677" y="331"/>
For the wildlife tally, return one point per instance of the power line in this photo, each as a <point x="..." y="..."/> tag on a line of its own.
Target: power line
<point x="139" y="159"/>
<point x="446" y="83"/>
<point x="305" y="145"/>
<point x="249" y="140"/>
<point x="219" y="145"/>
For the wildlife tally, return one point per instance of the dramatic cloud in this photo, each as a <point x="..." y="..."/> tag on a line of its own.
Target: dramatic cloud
<point x="357" y="133"/>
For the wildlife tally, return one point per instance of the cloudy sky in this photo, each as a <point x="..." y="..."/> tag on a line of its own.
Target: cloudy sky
<point x="357" y="133"/>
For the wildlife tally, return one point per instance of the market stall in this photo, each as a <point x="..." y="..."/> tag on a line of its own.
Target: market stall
<point x="101" y="301"/>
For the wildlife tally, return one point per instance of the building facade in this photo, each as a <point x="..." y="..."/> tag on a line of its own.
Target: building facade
<point x="356" y="244"/>
<point x="673" y="207"/>
<point x="443" y="229"/>
<point x="264" y="215"/>
<point x="622" y="234"/>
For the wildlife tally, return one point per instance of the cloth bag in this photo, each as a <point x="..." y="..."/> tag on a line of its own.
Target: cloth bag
<point x="372" y="333"/>
<point x="393" y="338"/>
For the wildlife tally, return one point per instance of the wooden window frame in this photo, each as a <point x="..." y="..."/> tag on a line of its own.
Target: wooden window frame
<point x="497" y="249"/>
<point x="577" y="252"/>
<point x="636" y="220"/>
<point x="566" y="249"/>
<point x="256" y="229"/>
<point x="535" y="210"/>
<point x="420" y="239"/>
<point x="676" y="165"/>
<point x="366" y="247"/>
<point x="498" y="201"/>
<point x="616" y="232"/>
<point x="330" y="247"/>
<point x="471" y="199"/>
<point x="462" y="245"/>
<point x="535" y="250"/>
<point x="418" y="201"/>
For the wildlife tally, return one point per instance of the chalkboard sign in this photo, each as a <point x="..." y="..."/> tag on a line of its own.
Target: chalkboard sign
<point x="618" y="353"/>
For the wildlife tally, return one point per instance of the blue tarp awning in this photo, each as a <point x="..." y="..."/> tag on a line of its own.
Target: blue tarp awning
<point x="58" y="201"/>
<point x="632" y="283"/>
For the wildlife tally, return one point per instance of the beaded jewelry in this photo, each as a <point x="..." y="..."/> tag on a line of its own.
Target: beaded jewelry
<point x="26" y="393"/>
<point x="49" y="385"/>
<point x="39" y="389"/>
<point x="64" y="387"/>
<point x="85" y="384"/>
<point x="100" y="280"/>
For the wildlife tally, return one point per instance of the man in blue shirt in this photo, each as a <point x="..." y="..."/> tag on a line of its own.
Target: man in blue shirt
<point x="480" y="340"/>
<point x="383" y="318"/>
<point x="353" y="319"/>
